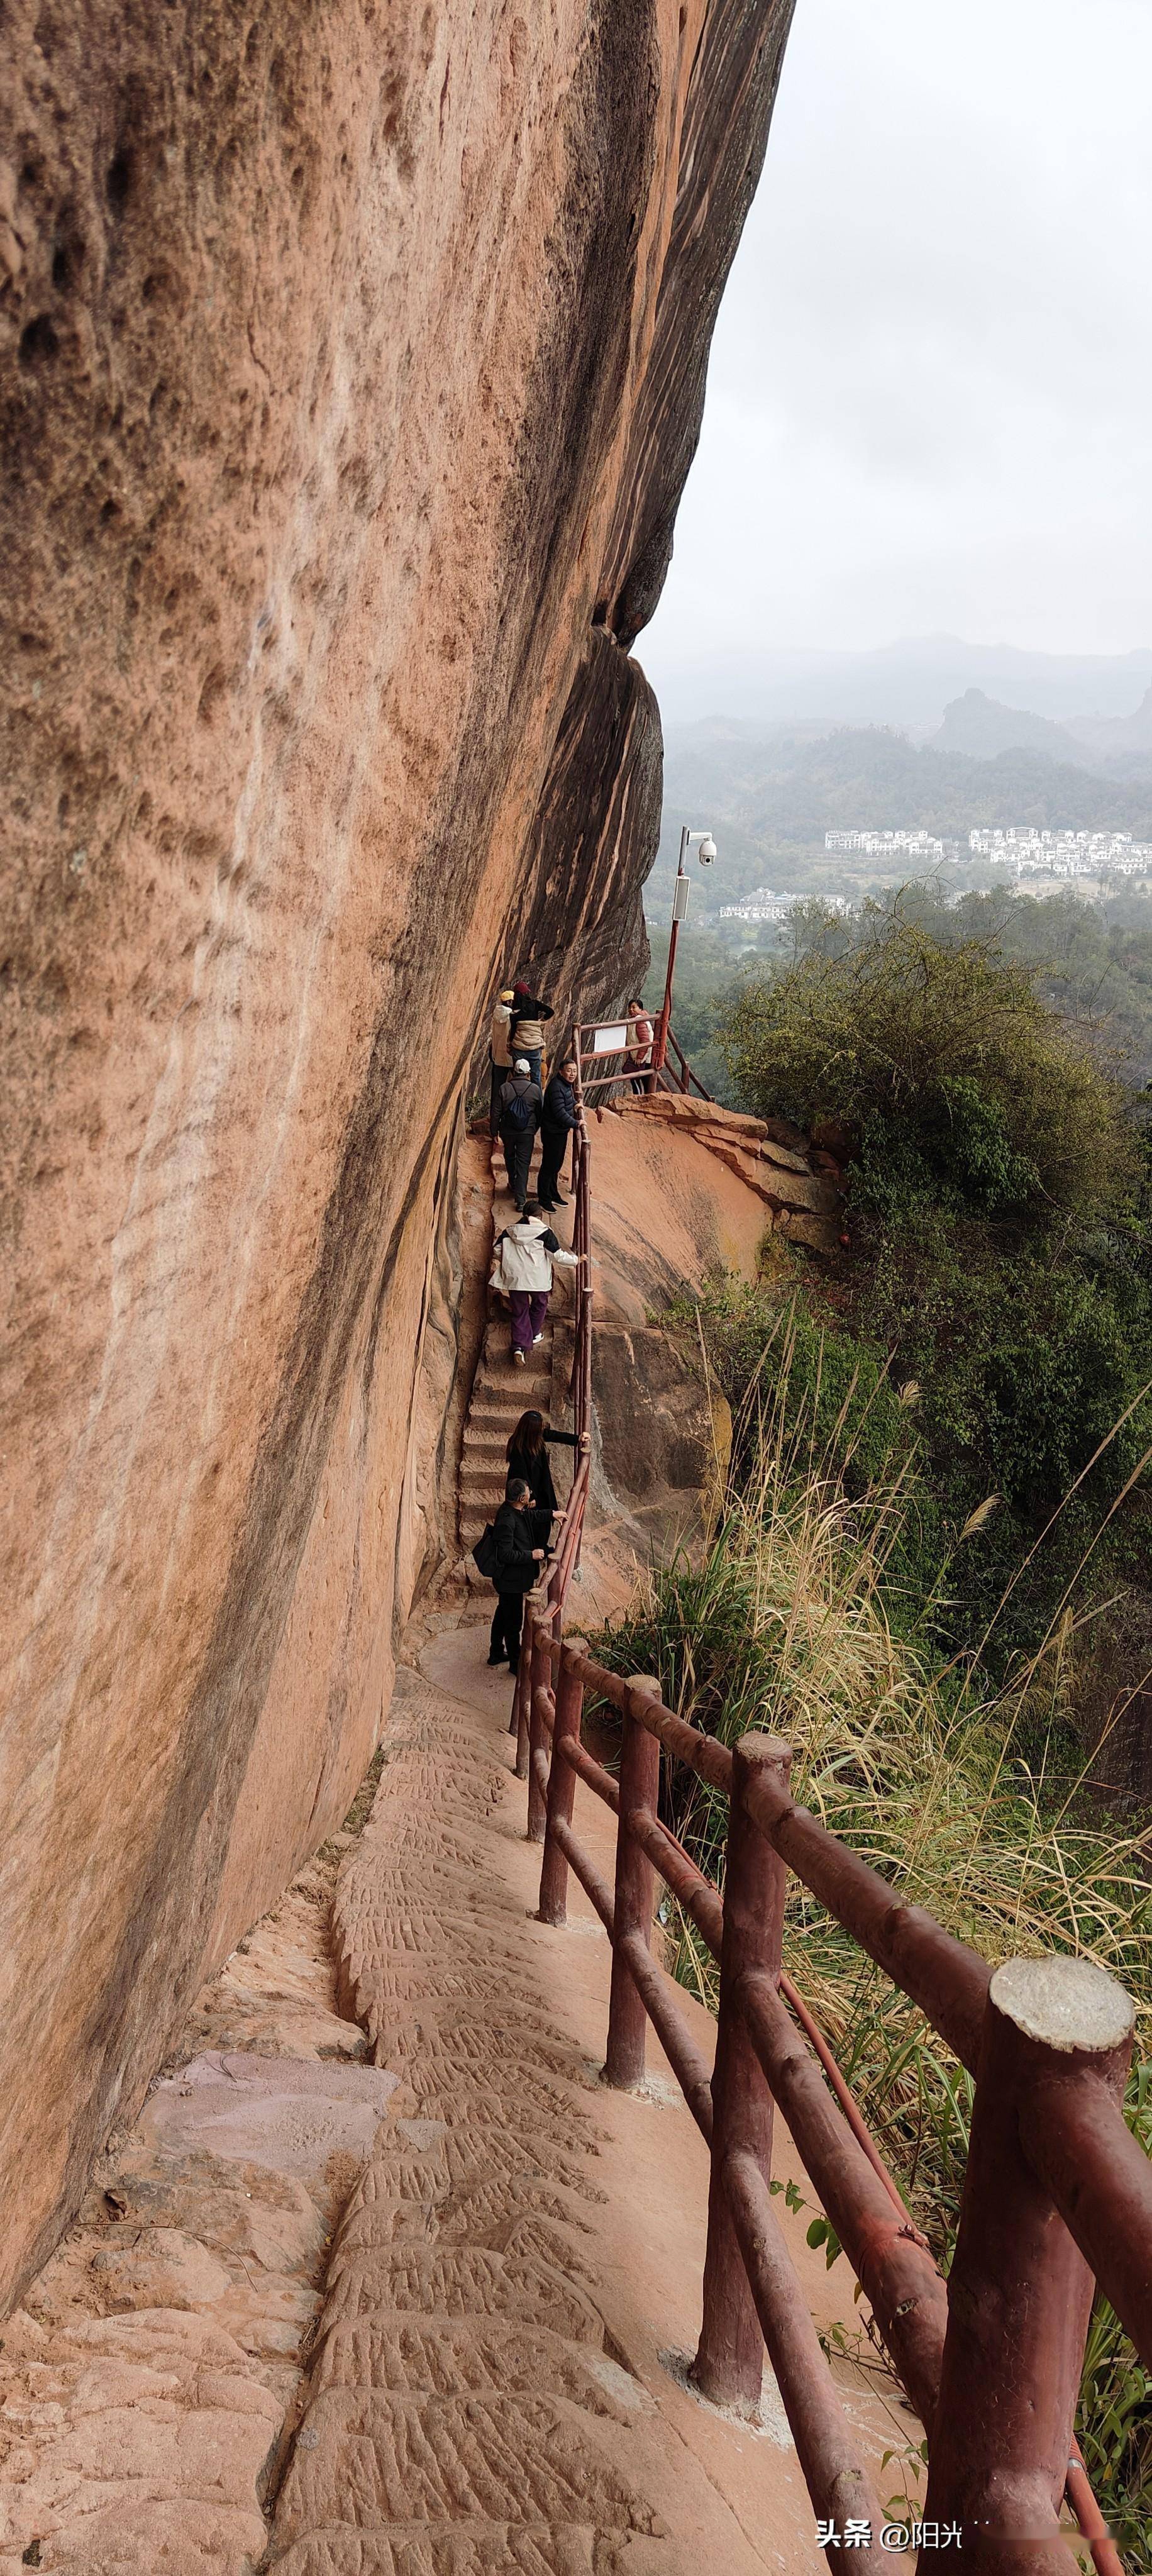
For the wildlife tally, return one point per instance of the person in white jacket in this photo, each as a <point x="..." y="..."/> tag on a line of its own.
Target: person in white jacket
<point x="523" y="1267"/>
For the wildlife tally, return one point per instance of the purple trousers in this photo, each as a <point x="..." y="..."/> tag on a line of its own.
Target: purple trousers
<point x="529" y="1307"/>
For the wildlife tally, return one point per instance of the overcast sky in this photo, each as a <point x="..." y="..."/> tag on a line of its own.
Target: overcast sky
<point x="930" y="398"/>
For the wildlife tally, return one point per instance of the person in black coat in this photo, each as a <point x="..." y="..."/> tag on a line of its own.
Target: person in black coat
<point x="517" y="1564"/>
<point x="557" y="1121"/>
<point x="520" y="1106"/>
<point x="528" y="1464"/>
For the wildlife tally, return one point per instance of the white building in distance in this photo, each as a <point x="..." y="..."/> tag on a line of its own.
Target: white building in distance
<point x="760" y="905"/>
<point x="888" y="845"/>
<point x="1063" y="854"/>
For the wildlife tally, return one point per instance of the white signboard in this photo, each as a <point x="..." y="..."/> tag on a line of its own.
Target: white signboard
<point x="610" y="1041"/>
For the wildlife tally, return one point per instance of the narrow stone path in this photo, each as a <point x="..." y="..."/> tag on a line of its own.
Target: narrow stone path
<point x="470" y="2409"/>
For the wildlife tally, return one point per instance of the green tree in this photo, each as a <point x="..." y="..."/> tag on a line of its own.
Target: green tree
<point x="944" y="1055"/>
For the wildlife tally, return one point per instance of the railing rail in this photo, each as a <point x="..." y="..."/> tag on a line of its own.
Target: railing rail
<point x="600" y="1048"/>
<point x="1056" y="2190"/>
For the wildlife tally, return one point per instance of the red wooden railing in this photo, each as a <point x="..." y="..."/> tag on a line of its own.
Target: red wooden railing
<point x="1057" y="2193"/>
<point x="1057" y="2190"/>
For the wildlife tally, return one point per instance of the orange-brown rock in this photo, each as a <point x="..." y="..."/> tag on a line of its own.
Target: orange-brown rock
<point x="350" y="365"/>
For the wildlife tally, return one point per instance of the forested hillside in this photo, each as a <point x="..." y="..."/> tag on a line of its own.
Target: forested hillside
<point x="786" y="786"/>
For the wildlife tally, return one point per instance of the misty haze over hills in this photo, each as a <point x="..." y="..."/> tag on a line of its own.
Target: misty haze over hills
<point x="907" y="684"/>
<point x="772" y="786"/>
<point x="904" y="739"/>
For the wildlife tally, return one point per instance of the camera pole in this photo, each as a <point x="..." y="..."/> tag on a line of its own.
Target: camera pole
<point x="679" y="913"/>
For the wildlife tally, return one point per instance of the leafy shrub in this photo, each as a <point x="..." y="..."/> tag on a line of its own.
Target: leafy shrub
<point x="947" y="1050"/>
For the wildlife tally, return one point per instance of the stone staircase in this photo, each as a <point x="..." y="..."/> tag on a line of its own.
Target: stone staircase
<point x="501" y="1392"/>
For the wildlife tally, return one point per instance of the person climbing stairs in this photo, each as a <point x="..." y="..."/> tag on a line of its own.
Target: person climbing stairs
<point x="501" y="1392"/>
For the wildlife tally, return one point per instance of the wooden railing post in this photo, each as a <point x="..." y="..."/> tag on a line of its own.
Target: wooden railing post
<point x="729" y="2361"/>
<point x="1020" y="2291"/>
<point x="635" y="1897"/>
<point x="561" y="1796"/>
<point x="539" y="1619"/>
<point x="522" y="1695"/>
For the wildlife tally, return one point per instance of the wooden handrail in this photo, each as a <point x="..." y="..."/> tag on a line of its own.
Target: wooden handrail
<point x="1088" y="2189"/>
<point x="1056" y="2187"/>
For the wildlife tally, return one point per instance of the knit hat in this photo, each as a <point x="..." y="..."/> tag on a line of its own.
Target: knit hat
<point x="508" y="995"/>
<point x="521" y="1065"/>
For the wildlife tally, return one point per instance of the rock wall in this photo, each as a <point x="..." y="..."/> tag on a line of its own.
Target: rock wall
<point x="350" y="364"/>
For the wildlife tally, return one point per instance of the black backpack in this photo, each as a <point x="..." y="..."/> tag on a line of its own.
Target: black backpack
<point x="485" y="1557"/>
<point x="520" y="1111"/>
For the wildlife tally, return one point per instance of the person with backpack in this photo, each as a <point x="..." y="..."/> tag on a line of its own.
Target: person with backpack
<point x="499" y="1055"/>
<point x="520" y="1108"/>
<point x="523" y="1268"/>
<point x="558" y="1119"/>
<point x="528" y="1015"/>
<point x="529" y="1464"/>
<point x="515" y="1562"/>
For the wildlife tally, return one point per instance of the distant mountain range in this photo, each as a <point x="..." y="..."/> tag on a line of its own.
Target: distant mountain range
<point x="908" y="684"/>
<point x="981" y="727"/>
<point x="765" y="789"/>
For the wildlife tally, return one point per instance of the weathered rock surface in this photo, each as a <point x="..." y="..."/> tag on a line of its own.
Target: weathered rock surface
<point x="805" y="1200"/>
<point x="150" y="2384"/>
<point x="349" y="369"/>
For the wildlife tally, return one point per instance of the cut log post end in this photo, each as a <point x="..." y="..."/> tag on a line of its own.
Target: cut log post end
<point x="1069" y="2004"/>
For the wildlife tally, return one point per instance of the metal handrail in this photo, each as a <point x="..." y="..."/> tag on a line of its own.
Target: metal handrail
<point x="656" y="1072"/>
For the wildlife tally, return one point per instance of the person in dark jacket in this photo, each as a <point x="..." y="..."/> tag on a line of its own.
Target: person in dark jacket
<point x="517" y="1561"/>
<point x="529" y="1464"/>
<point x="528" y="1015"/>
<point x="557" y="1121"/>
<point x="500" y="1052"/>
<point x="520" y="1107"/>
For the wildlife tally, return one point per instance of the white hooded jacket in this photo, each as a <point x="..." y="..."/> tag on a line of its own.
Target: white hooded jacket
<point x="525" y="1257"/>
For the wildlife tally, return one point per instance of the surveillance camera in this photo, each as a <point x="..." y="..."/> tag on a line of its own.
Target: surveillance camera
<point x="707" y="850"/>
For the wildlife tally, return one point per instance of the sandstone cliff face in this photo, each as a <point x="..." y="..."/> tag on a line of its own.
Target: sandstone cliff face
<point x="350" y="364"/>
